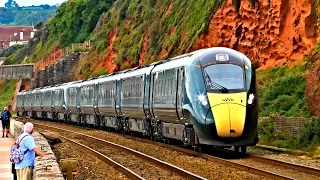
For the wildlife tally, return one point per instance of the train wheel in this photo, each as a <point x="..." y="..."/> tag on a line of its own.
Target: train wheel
<point x="243" y="149"/>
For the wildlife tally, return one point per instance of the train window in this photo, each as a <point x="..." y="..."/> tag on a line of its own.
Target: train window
<point x="163" y="89"/>
<point x="227" y="75"/>
<point x="157" y="88"/>
<point x="46" y="98"/>
<point x="167" y="87"/>
<point x="72" y="96"/>
<point x="170" y="87"/>
<point x="91" y="94"/>
<point x="160" y="87"/>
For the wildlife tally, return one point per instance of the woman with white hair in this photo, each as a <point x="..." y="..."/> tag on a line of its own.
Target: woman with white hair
<point x="29" y="149"/>
<point x="5" y="119"/>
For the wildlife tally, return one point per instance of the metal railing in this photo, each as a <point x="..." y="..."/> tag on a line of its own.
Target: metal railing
<point x="58" y="54"/>
<point x="21" y="71"/>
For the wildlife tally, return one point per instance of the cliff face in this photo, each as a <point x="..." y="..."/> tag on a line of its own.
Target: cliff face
<point x="273" y="34"/>
<point x="313" y="83"/>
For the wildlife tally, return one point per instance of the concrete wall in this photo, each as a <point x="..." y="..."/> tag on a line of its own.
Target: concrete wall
<point x="58" y="73"/>
<point x="290" y="125"/>
<point x="40" y="172"/>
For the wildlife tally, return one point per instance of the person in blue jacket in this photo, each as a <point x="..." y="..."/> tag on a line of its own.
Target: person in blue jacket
<point x="24" y="169"/>
<point x="5" y="119"/>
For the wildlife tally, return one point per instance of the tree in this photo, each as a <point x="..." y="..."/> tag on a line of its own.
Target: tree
<point x="11" y="4"/>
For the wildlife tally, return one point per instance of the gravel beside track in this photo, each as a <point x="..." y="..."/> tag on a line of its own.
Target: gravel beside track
<point x="89" y="166"/>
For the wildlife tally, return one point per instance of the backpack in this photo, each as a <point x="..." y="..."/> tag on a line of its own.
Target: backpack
<point x="4" y="115"/>
<point x="15" y="155"/>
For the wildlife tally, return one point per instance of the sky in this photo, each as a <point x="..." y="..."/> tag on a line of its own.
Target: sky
<point x="33" y="2"/>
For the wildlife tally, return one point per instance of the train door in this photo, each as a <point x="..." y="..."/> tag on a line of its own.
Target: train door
<point x="118" y="97"/>
<point x="180" y="92"/>
<point x="146" y="98"/>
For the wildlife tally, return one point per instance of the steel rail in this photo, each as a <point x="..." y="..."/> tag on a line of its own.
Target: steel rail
<point x="282" y="150"/>
<point x="303" y="168"/>
<point x="106" y="159"/>
<point x="148" y="158"/>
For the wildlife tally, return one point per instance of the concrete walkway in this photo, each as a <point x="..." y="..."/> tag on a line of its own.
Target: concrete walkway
<point x="5" y="165"/>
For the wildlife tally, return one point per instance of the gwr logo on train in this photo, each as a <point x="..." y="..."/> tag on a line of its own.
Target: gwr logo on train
<point x="227" y="100"/>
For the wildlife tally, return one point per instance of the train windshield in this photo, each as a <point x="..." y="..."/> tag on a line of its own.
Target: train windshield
<point x="224" y="77"/>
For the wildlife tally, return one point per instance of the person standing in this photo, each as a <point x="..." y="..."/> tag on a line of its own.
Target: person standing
<point x="5" y="117"/>
<point x="28" y="148"/>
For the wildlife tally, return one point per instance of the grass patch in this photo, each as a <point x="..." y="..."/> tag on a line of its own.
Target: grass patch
<point x="7" y="92"/>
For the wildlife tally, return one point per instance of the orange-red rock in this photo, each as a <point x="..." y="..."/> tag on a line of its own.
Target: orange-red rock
<point x="273" y="34"/>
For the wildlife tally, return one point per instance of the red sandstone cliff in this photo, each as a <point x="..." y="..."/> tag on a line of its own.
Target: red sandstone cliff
<point x="273" y="34"/>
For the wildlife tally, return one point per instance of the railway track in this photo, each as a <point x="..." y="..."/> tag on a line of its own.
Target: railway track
<point x="168" y="167"/>
<point x="108" y="160"/>
<point x="251" y="163"/>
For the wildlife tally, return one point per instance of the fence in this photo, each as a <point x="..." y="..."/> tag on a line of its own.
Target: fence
<point x="58" y="54"/>
<point x="290" y="125"/>
<point x="21" y="71"/>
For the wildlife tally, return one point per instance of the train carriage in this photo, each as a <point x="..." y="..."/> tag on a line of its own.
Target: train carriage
<point x="82" y="102"/>
<point x="108" y="106"/>
<point x="60" y="98"/>
<point x="166" y="100"/>
<point x="133" y="86"/>
<point x="48" y="102"/>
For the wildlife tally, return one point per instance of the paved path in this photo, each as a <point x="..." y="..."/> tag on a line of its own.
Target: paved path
<point x="5" y="166"/>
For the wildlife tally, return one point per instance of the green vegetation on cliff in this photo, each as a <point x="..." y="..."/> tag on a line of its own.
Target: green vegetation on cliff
<point x="281" y="91"/>
<point x="73" y="23"/>
<point x="172" y="28"/>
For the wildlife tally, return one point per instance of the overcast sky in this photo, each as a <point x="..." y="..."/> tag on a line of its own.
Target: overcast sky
<point x="33" y="2"/>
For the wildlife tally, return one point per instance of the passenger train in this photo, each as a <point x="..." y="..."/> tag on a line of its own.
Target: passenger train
<point x="206" y="97"/>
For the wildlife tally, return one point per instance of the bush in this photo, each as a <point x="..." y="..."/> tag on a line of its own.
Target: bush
<point x="311" y="135"/>
<point x="282" y="91"/>
<point x="8" y="52"/>
<point x="265" y="129"/>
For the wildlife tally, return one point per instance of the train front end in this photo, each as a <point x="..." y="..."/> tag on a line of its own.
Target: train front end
<point x="224" y="98"/>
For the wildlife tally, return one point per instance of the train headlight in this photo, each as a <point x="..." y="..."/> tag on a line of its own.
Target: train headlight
<point x="203" y="99"/>
<point x="250" y="99"/>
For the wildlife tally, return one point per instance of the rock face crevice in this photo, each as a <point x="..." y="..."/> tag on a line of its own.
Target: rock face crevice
<point x="272" y="34"/>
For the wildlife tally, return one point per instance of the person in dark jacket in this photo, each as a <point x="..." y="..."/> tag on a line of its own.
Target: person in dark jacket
<point x="5" y="118"/>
